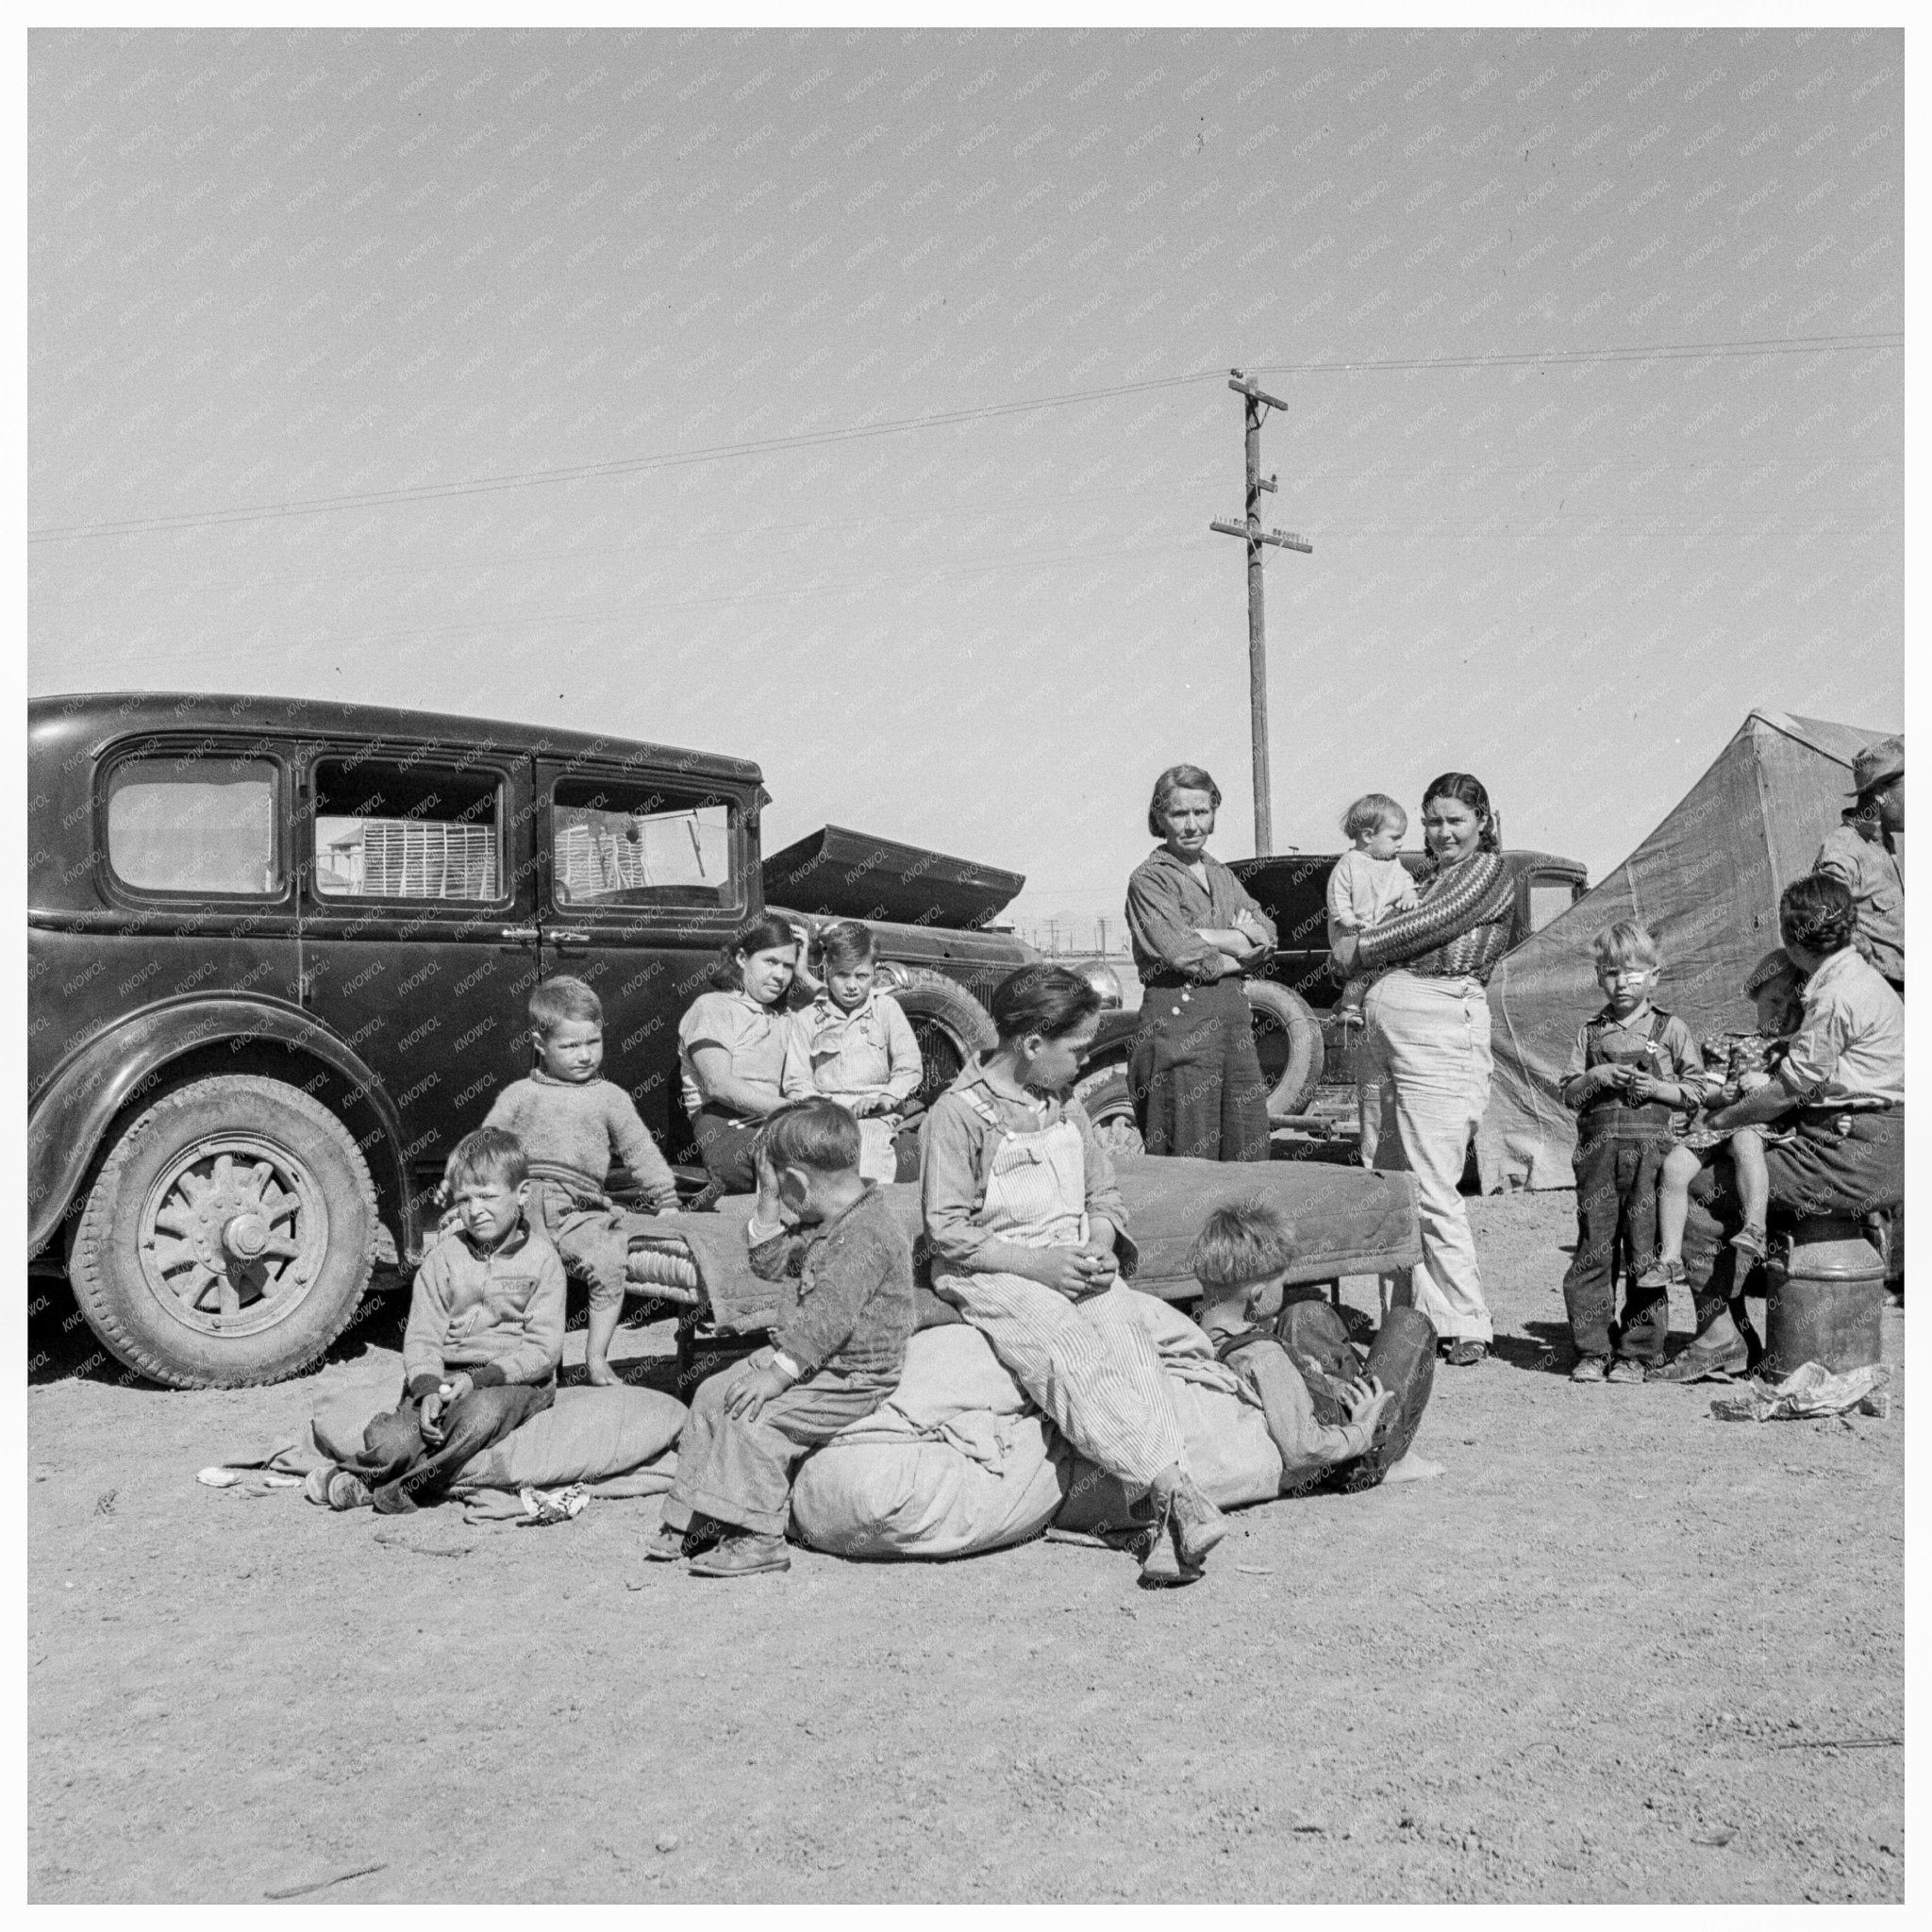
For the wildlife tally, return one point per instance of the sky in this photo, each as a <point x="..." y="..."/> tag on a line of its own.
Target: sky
<point x="857" y="402"/>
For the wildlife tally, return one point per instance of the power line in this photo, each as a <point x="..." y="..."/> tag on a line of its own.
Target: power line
<point x="578" y="472"/>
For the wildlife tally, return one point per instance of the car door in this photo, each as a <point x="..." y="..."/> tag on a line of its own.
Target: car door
<point x="419" y="928"/>
<point x="646" y="874"/>
<point x="192" y="860"/>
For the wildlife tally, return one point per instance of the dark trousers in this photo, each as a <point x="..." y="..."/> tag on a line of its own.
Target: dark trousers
<point x="1402" y="1358"/>
<point x="1196" y="1082"/>
<point x="1822" y="1172"/>
<point x="405" y="1471"/>
<point x="1616" y="1208"/>
<point x="725" y="1143"/>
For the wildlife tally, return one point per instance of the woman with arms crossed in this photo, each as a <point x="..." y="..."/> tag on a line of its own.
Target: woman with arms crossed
<point x="1197" y="1084"/>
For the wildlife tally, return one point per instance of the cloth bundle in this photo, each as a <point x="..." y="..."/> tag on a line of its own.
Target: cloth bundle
<point x="956" y="1460"/>
<point x="1809" y="1391"/>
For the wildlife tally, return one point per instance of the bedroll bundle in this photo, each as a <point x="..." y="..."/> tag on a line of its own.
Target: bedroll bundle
<point x="956" y="1461"/>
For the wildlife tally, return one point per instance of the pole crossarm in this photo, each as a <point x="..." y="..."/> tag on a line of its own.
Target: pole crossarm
<point x="1245" y="387"/>
<point x="1286" y="540"/>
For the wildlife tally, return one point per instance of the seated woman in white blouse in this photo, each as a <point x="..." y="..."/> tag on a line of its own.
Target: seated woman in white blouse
<point x="740" y="1055"/>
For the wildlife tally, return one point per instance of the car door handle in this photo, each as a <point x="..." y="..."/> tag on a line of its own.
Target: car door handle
<point x="518" y="935"/>
<point x="559" y="937"/>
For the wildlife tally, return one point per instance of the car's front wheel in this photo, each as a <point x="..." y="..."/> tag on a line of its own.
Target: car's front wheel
<point x="228" y="1236"/>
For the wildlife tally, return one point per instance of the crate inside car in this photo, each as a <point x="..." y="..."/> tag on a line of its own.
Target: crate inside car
<point x="280" y="953"/>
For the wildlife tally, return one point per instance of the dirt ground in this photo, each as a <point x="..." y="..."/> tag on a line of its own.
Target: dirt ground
<point x="1604" y="1657"/>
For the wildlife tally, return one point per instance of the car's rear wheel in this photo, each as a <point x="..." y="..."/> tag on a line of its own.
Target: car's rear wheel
<point x="228" y="1236"/>
<point x="1110" y="1107"/>
<point x="949" y="1024"/>
<point x="1288" y="1042"/>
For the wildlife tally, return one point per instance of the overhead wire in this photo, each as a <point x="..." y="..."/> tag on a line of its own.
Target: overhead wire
<point x="624" y="466"/>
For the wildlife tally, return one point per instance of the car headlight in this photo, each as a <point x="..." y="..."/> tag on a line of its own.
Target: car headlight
<point x="889" y="976"/>
<point x="1106" y="983"/>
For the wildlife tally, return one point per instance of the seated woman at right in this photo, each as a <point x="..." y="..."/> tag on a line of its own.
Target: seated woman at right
<point x="1840" y="1088"/>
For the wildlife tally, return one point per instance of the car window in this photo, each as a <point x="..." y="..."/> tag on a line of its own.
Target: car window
<point x="194" y="824"/>
<point x="639" y="844"/>
<point x="1548" y="899"/>
<point x="402" y="829"/>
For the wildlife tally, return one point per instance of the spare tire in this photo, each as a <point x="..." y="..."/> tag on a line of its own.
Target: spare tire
<point x="949" y="1024"/>
<point x="1288" y="1038"/>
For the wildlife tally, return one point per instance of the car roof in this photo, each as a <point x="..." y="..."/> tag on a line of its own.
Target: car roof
<point x="96" y="719"/>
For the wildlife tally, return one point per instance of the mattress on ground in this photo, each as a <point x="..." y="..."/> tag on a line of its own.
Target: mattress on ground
<point x="1347" y="1220"/>
<point x="956" y="1461"/>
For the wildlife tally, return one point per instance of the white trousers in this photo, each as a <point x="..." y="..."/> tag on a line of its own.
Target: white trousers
<point x="1089" y="1364"/>
<point x="1427" y="1046"/>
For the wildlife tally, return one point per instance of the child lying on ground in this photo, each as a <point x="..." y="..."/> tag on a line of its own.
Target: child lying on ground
<point x="572" y="1123"/>
<point x="1749" y="1061"/>
<point x="861" y="1044"/>
<point x="832" y="1362"/>
<point x="481" y="1348"/>
<point x="1329" y="1412"/>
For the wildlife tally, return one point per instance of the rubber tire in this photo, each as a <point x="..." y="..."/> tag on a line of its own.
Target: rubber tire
<point x="1288" y="1011"/>
<point x="933" y="1003"/>
<point x="104" y="1268"/>
<point x="1109" y="1104"/>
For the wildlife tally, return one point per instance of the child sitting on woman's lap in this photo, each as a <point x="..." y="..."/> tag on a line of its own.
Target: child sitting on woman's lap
<point x="1749" y="1062"/>
<point x="862" y="1046"/>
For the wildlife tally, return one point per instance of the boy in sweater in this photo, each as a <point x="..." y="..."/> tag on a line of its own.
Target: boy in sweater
<point x="834" y="1357"/>
<point x="1328" y="1411"/>
<point x="481" y="1348"/>
<point x="571" y="1123"/>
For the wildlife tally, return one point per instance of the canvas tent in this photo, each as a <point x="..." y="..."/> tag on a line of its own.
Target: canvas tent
<point x="1706" y="882"/>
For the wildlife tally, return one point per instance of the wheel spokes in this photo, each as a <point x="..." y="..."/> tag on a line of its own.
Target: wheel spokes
<point x="197" y="1284"/>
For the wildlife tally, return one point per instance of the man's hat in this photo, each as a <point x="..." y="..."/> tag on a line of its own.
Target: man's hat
<point x="1878" y="764"/>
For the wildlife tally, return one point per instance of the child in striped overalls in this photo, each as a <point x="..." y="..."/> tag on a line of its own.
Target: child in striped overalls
<point x="1028" y="1237"/>
<point x="1634" y="1076"/>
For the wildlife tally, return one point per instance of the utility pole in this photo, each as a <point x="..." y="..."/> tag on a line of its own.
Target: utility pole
<point x="1251" y="531"/>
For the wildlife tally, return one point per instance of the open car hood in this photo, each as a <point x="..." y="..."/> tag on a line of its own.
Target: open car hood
<point x="836" y="874"/>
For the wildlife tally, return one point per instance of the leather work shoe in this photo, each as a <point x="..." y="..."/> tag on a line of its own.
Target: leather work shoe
<point x="664" y="1545"/>
<point x="1196" y="1525"/>
<point x="1589" y="1367"/>
<point x="1161" y="1568"/>
<point x="1624" y="1370"/>
<point x="745" y="1555"/>
<point x="1703" y="1365"/>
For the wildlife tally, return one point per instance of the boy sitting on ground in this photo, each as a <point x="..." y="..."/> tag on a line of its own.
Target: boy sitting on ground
<point x="480" y="1351"/>
<point x="1329" y="1412"/>
<point x="571" y="1123"/>
<point x="833" y="1358"/>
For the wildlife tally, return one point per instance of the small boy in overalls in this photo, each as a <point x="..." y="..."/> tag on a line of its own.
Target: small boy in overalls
<point x="1634" y="1075"/>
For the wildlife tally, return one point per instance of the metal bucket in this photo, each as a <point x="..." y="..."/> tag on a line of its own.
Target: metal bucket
<point x="1826" y="1296"/>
